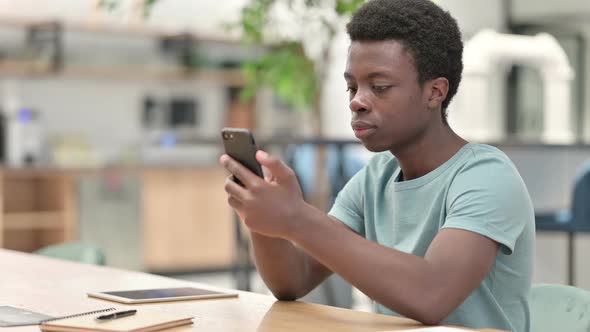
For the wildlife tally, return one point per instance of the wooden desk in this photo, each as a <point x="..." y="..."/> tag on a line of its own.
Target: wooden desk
<point x="57" y="288"/>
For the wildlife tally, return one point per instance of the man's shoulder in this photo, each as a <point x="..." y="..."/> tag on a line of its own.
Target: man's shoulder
<point x="487" y="168"/>
<point x="487" y="151"/>
<point x="486" y="158"/>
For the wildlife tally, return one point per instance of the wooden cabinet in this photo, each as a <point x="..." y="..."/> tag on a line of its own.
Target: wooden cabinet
<point x="183" y="222"/>
<point x="38" y="209"/>
<point x="187" y="222"/>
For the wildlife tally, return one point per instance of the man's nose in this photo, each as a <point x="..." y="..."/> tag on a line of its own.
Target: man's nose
<point x="359" y="103"/>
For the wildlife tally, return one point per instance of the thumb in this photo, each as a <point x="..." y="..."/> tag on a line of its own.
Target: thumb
<point x="278" y="168"/>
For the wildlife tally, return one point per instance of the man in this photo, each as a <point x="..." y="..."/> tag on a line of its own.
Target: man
<point x="433" y="228"/>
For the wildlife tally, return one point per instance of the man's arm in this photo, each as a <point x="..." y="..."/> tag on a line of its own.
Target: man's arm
<point x="287" y="271"/>
<point x="426" y="288"/>
<point x="423" y="288"/>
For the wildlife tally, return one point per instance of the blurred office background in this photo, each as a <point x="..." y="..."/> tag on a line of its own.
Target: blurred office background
<point x="110" y="120"/>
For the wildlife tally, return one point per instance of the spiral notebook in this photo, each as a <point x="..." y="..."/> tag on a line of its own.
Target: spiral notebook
<point x="142" y="321"/>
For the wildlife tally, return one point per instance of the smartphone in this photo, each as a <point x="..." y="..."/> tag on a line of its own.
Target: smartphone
<point x="240" y="145"/>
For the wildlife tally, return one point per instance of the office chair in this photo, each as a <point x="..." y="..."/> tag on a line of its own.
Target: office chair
<point x="74" y="251"/>
<point x="580" y="209"/>
<point x="559" y="308"/>
<point x="577" y="219"/>
<point x="573" y="220"/>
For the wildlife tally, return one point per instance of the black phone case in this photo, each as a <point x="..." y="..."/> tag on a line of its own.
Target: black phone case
<point x="240" y="145"/>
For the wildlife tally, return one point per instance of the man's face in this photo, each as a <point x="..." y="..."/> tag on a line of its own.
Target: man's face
<point x="389" y="107"/>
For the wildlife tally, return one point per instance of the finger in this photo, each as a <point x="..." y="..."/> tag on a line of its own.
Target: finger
<point x="267" y="173"/>
<point x="278" y="168"/>
<point x="247" y="177"/>
<point x="235" y="190"/>
<point x="234" y="203"/>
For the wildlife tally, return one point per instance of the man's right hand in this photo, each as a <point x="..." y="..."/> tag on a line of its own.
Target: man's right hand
<point x="268" y="206"/>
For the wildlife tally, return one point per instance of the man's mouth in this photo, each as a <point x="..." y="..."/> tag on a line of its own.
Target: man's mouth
<point x="363" y="129"/>
<point x="364" y="132"/>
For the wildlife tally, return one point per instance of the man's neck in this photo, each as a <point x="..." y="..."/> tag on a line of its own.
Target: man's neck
<point x="429" y="152"/>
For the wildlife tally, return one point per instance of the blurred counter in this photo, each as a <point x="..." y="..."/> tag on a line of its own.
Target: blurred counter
<point x="156" y="218"/>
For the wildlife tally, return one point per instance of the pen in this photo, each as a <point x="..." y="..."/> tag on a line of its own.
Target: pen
<point x="116" y="315"/>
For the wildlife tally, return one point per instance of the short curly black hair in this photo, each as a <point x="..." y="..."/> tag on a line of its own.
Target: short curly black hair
<point x="430" y="34"/>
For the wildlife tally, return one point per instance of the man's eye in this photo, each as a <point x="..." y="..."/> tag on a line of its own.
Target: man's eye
<point x="381" y="88"/>
<point x="351" y="89"/>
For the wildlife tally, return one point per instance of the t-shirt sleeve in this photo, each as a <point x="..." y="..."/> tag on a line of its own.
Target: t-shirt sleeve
<point x="488" y="197"/>
<point x="348" y="206"/>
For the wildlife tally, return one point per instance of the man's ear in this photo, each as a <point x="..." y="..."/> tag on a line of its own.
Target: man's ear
<point x="438" y="88"/>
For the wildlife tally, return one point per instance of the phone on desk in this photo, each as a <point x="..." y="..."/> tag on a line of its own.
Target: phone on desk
<point x="240" y="145"/>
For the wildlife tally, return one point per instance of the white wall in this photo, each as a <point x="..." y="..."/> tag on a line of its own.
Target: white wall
<point x="199" y="16"/>
<point x="474" y="15"/>
<point x="206" y="17"/>
<point x="533" y="10"/>
<point x="335" y="105"/>
<point x="586" y="31"/>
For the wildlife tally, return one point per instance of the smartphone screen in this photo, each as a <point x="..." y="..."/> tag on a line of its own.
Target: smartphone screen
<point x="240" y="145"/>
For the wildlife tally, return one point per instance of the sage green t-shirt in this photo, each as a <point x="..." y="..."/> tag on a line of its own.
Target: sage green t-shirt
<point x="478" y="190"/>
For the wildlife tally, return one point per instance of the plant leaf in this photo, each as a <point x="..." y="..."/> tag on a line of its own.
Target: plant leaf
<point x="347" y="7"/>
<point x="288" y="71"/>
